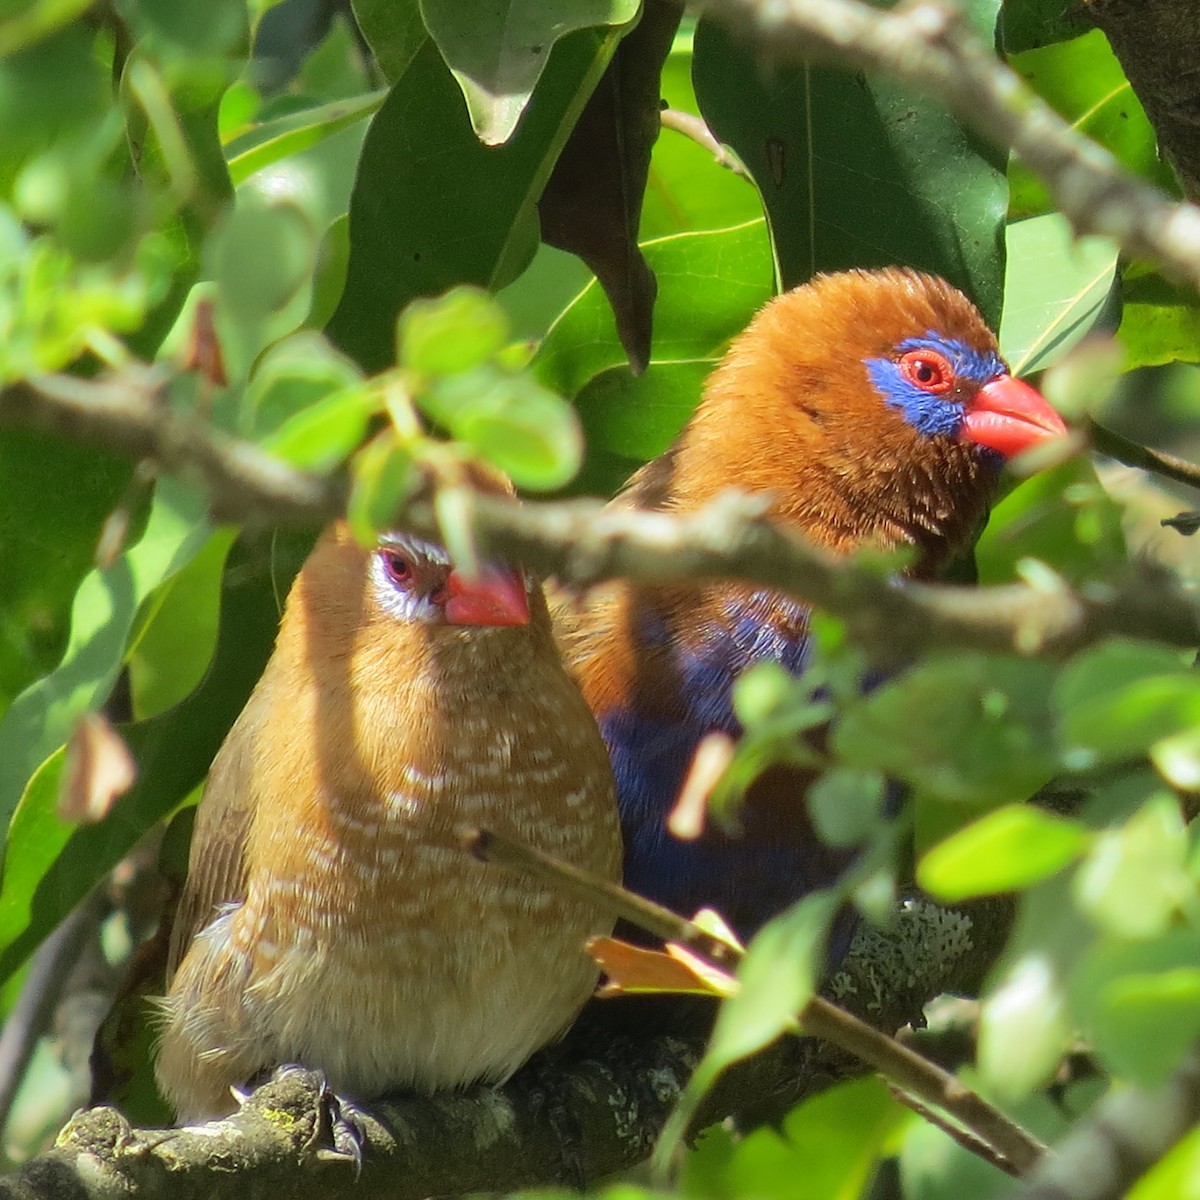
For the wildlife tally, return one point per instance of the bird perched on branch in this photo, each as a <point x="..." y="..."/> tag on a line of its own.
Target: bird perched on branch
<point x="330" y="917"/>
<point x="874" y="408"/>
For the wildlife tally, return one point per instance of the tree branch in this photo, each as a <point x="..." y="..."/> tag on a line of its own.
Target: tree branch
<point x="617" y="1090"/>
<point x="927" y="44"/>
<point x="583" y="543"/>
<point x="1127" y="1133"/>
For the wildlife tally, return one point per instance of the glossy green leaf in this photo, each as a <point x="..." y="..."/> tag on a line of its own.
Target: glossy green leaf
<point x="1135" y="876"/>
<point x="281" y="139"/>
<point x="982" y="737"/>
<point x="324" y="434"/>
<point x="497" y="52"/>
<point x="456" y="332"/>
<point x="856" y="171"/>
<point x="430" y="212"/>
<point x="1058" y="289"/>
<point x="54" y="499"/>
<point x="709" y="286"/>
<point x="1024" y="1027"/>
<point x="176" y="645"/>
<point x="1007" y="850"/>
<point x="1063" y="517"/>
<point x="42" y="717"/>
<point x="1083" y="82"/>
<point x="51" y="866"/>
<point x="395" y="31"/>
<point x="688" y="190"/>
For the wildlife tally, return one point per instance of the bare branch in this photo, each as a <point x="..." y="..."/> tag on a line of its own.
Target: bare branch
<point x="583" y="543"/>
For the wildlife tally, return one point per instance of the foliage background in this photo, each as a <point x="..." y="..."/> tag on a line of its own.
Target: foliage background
<point x="165" y="192"/>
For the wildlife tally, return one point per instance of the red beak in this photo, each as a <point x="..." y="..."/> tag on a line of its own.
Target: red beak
<point x="496" y="597"/>
<point x="1010" y="416"/>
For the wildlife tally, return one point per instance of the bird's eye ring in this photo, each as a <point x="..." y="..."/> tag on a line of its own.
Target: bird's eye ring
<point x="396" y="567"/>
<point x="927" y="370"/>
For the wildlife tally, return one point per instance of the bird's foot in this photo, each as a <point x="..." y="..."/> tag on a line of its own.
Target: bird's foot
<point x="341" y="1130"/>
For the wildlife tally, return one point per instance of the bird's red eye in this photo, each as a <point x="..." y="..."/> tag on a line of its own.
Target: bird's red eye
<point x="397" y="568"/>
<point x="927" y="370"/>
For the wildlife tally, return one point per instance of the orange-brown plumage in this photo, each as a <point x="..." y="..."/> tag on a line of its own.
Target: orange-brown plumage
<point x="330" y="917"/>
<point x="874" y="409"/>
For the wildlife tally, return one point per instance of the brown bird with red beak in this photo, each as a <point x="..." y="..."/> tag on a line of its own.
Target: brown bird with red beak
<point x="874" y="409"/>
<point x="330" y="917"/>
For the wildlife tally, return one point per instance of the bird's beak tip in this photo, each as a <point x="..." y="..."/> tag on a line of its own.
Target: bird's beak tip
<point x="497" y="596"/>
<point x="1009" y="416"/>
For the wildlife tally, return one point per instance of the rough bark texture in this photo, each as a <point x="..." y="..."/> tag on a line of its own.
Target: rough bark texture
<point x="578" y="1112"/>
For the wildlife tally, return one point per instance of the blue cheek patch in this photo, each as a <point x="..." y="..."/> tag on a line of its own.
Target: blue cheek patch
<point x="931" y="415"/>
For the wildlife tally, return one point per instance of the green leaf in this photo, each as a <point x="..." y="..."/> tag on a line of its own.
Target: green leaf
<point x="1063" y="517"/>
<point x="688" y="190"/>
<point x="431" y="211"/>
<point x="54" y="499"/>
<point x="982" y="738"/>
<point x="846" y="805"/>
<point x="709" y="286"/>
<point x="1140" y="1003"/>
<point x="292" y="377"/>
<point x="1005" y="851"/>
<point x="323" y="435"/>
<point x="51" y="866"/>
<point x="1116" y="701"/>
<point x="456" y="332"/>
<point x="776" y="980"/>
<point x="176" y="644"/>
<point x="383" y="478"/>
<point x="526" y="430"/>
<point x="283" y="138"/>
<point x="1160" y="323"/>
<point x="1135" y="876"/>
<point x="1024" y="1027"/>
<point x="1058" y="289"/>
<point x="497" y="52"/>
<point x="394" y="30"/>
<point x="260" y="258"/>
<point x="825" y="1149"/>
<point x="856" y="171"/>
<point x="42" y="717"/>
<point x="1084" y="83"/>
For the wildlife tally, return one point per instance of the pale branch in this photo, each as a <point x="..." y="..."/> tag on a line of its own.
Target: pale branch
<point x="613" y="1094"/>
<point x="583" y="543"/>
<point x="1127" y="1132"/>
<point x="927" y="44"/>
<point x="898" y="1063"/>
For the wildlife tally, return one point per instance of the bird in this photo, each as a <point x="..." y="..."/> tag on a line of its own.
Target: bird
<point x="330" y="918"/>
<point x="873" y="409"/>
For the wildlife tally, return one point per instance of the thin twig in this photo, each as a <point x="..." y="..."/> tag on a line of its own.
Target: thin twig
<point x="820" y="1018"/>
<point x="964" y="1137"/>
<point x="1133" y="455"/>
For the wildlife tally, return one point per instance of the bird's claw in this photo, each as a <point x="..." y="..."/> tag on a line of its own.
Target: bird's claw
<point x="340" y="1123"/>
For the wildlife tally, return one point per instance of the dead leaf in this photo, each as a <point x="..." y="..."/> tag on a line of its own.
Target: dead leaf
<point x="709" y="763"/>
<point x="98" y="770"/>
